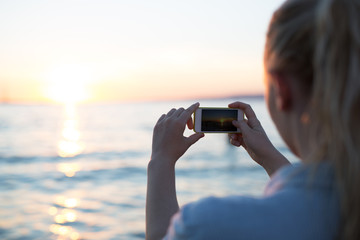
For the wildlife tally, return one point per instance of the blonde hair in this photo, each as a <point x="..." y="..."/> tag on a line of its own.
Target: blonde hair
<point x="319" y="41"/>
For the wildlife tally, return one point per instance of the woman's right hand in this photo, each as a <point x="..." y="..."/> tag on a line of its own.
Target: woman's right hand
<point x="255" y="141"/>
<point x="169" y="142"/>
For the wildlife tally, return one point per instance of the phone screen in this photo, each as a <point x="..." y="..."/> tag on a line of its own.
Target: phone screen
<point x="218" y="120"/>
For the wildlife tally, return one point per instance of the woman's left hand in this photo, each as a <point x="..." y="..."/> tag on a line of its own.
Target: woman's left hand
<point x="169" y="142"/>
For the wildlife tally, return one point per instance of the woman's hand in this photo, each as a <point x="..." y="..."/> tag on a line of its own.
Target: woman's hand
<point x="169" y="142"/>
<point x="255" y="141"/>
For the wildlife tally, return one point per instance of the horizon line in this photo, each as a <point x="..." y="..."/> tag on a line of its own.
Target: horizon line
<point x="124" y="101"/>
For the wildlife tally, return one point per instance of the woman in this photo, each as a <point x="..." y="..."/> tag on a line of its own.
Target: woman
<point x="312" y="65"/>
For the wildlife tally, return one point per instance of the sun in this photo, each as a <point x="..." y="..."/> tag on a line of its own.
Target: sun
<point x="68" y="83"/>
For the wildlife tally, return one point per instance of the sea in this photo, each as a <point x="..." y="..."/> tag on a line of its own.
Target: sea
<point x="79" y="171"/>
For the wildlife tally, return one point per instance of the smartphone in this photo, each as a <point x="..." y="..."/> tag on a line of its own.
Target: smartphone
<point x="217" y="120"/>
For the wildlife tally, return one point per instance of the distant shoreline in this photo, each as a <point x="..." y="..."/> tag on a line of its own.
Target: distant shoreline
<point x="247" y="96"/>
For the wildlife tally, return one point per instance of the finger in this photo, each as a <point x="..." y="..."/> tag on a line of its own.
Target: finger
<point x="233" y="136"/>
<point x="178" y="112"/>
<point x="249" y="112"/>
<point x="161" y="118"/>
<point x="187" y="113"/>
<point x="190" y="123"/>
<point x="235" y="139"/>
<point x="235" y="143"/>
<point x="244" y="127"/>
<point x="171" y="112"/>
<point x="194" y="138"/>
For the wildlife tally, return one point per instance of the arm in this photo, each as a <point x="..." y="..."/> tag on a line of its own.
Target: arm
<point x="169" y="144"/>
<point x="255" y="141"/>
<point x="161" y="201"/>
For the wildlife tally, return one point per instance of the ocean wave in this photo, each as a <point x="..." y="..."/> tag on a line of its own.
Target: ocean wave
<point x="110" y="155"/>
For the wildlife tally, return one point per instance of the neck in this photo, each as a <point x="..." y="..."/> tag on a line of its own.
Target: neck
<point x="302" y="135"/>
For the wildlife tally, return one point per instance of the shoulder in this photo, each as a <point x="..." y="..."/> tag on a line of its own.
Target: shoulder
<point x="211" y="218"/>
<point x="312" y="178"/>
<point x="290" y="212"/>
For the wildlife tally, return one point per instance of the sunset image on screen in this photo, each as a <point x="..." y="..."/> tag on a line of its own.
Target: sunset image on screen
<point x="218" y="120"/>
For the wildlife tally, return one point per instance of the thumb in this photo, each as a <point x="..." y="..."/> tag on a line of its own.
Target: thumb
<point x="242" y="124"/>
<point x="194" y="138"/>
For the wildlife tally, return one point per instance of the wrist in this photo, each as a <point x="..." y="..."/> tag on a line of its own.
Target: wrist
<point x="157" y="164"/>
<point x="274" y="162"/>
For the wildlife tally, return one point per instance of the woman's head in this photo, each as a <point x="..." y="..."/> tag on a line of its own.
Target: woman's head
<point x="316" y="43"/>
<point x="288" y="55"/>
<point x="291" y="40"/>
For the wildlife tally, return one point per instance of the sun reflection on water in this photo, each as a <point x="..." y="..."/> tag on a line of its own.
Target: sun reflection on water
<point x="69" y="169"/>
<point x="63" y="211"/>
<point x="66" y="202"/>
<point x="64" y="232"/>
<point x="70" y="144"/>
<point x="63" y="214"/>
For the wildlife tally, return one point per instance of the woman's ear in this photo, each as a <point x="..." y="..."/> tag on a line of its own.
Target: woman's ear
<point x="282" y="91"/>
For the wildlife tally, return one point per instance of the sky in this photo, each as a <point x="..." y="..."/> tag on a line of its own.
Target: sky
<point x="117" y="50"/>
